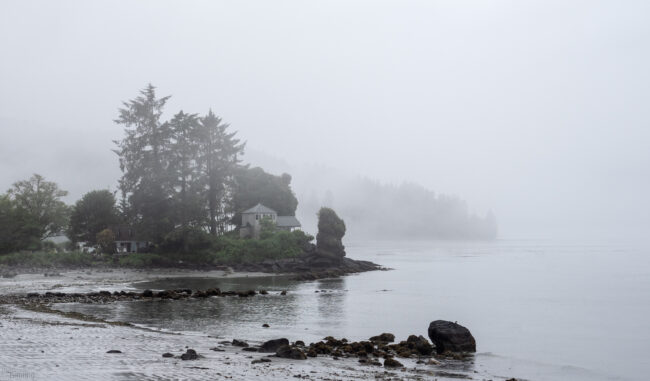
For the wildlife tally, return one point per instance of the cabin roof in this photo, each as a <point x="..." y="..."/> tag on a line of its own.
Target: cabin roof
<point x="259" y="208"/>
<point x="287" y="222"/>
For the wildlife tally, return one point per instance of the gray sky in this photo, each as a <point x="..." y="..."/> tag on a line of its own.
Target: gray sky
<point x="537" y="110"/>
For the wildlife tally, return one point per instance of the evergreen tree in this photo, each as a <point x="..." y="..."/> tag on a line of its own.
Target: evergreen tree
<point x="219" y="157"/>
<point x="184" y="172"/>
<point x="144" y="161"/>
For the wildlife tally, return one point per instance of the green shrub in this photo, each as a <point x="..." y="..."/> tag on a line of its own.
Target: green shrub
<point x="46" y="259"/>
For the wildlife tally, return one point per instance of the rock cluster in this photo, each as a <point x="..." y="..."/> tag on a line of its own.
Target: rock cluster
<point x="309" y="266"/>
<point x="107" y="297"/>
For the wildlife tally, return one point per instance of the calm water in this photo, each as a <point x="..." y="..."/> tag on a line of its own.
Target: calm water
<point x="538" y="310"/>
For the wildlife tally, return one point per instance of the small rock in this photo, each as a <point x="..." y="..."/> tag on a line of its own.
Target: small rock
<point x="249" y="349"/>
<point x="167" y="355"/>
<point x="273" y="345"/>
<point x="239" y="343"/>
<point x="190" y="355"/>
<point x="265" y="325"/>
<point x="283" y="293"/>
<point x="392" y="363"/>
<point x="114" y="351"/>
<point x="217" y="349"/>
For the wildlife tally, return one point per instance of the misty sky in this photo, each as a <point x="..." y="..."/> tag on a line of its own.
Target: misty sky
<point x="538" y="110"/>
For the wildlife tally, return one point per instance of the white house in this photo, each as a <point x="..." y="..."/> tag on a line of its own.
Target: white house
<point x="127" y="240"/>
<point x="251" y="218"/>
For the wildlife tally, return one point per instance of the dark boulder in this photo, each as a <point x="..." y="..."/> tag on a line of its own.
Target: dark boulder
<point x="288" y="352"/>
<point x="167" y="355"/>
<point x="420" y="344"/>
<point x="451" y="337"/>
<point x="147" y="294"/>
<point x="190" y="354"/>
<point x="114" y="351"/>
<point x="273" y="345"/>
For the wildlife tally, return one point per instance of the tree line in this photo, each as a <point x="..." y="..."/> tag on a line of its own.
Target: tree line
<point x="179" y="177"/>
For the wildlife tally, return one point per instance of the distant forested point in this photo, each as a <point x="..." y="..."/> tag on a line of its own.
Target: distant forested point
<point x="408" y="211"/>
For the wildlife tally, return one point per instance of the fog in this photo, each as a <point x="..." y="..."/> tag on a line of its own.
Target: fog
<point x="537" y="111"/>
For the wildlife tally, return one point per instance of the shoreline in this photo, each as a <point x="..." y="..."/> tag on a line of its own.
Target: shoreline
<point x="39" y="340"/>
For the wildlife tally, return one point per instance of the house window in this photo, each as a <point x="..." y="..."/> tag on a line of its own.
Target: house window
<point x="257" y="216"/>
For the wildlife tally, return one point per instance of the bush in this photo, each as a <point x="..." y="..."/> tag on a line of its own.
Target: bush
<point x="44" y="259"/>
<point x="281" y="244"/>
<point x="190" y="239"/>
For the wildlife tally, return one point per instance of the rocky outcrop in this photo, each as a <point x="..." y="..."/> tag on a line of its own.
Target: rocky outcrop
<point x="451" y="337"/>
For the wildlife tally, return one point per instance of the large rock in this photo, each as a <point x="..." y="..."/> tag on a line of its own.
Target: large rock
<point x="273" y="345"/>
<point x="451" y="337"/>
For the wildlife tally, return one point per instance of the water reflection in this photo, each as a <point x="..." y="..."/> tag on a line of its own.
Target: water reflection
<point x="302" y="314"/>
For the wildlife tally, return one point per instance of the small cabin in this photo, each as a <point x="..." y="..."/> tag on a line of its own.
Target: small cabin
<point x="251" y="218"/>
<point x="127" y="239"/>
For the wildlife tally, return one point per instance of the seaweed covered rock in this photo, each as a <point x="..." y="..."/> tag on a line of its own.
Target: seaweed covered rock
<point x="451" y="337"/>
<point x="383" y="338"/>
<point x="288" y="352"/>
<point x="420" y="344"/>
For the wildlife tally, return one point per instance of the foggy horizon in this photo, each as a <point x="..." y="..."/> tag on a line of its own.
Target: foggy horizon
<point x="535" y="111"/>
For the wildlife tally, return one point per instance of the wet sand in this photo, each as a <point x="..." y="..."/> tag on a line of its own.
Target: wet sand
<point x="96" y="279"/>
<point x="47" y="346"/>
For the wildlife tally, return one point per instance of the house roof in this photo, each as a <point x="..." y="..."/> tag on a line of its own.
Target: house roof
<point x="287" y="222"/>
<point x="259" y="208"/>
